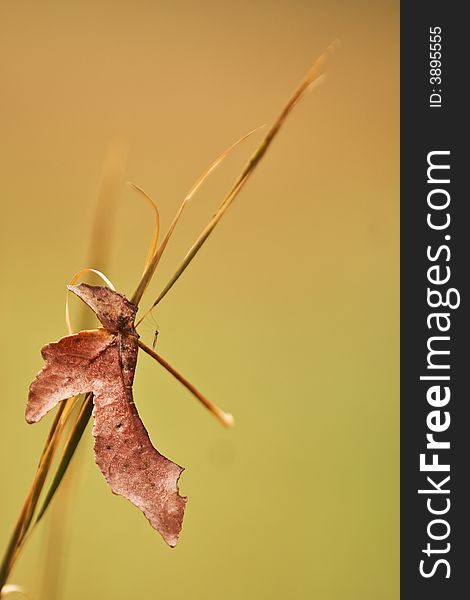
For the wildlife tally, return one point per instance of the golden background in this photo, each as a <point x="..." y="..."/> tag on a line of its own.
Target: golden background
<point x="288" y="317"/>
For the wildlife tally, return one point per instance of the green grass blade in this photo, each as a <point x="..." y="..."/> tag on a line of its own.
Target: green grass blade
<point x="69" y="450"/>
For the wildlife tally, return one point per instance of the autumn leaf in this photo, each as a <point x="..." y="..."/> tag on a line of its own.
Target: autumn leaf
<point x="103" y="361"/>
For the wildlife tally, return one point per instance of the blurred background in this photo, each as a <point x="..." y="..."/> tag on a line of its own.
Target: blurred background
<point x="288" y="317"/>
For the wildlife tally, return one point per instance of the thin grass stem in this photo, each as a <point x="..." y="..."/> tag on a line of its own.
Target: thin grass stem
<point x="225" y="418"/>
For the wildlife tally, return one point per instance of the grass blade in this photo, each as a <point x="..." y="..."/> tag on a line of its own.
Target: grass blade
<point x="225" y="418"/>
<point x="29" y="506"/>
<point x="156" y="228"/>
<point x="313" y="76"/>
<point x="150" y="269"/>
<point x="69" y="450"/>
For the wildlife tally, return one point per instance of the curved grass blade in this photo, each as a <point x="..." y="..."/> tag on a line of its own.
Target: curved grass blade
<point x="150" y="270"/>
<point x="156" y="229"/>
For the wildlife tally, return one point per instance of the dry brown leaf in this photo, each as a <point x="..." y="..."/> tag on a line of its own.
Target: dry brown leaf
<point x="102" y="361"/>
